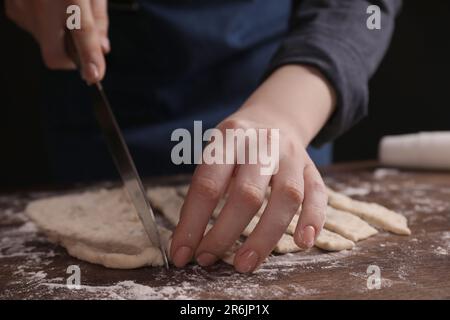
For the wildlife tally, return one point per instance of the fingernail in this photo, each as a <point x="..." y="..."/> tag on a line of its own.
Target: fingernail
<point x="106" y="45"/>
<point x="206" y="259"/>
<point x="182" y="256"/>
<point x="247" y="261"/>
<point x="91" y="74"/>
<point x="308" y="235"/>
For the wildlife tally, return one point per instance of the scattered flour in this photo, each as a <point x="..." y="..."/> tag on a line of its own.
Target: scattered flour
<point x="24" y="242"/>
<point x="302" y="259"/>
<point x="125" y="290"/>
<point x="442" y="247"/>
<point x="403" y="272"/>
<point x="362" y="286"/>
<point x="382" y="173"/>
<point x="440" y="251"/>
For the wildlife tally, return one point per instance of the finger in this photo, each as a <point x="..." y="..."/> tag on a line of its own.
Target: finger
<point x="17" y="12"/>
<point x="88" y="43"/>
<point x="207" y="186"/>
<point x="312" y="216"/>
<point x="245" y="199"/>
<point x="100" y="12"/>
<point x="285" y="199"/>
<point x="209" y="183"/>
<point x="50" y="31"/>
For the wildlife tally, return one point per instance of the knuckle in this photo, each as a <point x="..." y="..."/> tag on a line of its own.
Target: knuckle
<point x="217" y="246"/>
<point x="102" y="25"/>
<point x="103" y="29"/>
<point x="232" y="124"/>
<point x="317" y="208"/>
<point x="206" y="187"/>
<point x="103" y="20"/>
<point x="318" y="187"/>
<point x="216" y="242"/>
<point x="319" y="211"/>
<point x="291" y="147"/>
<point x="251" y="194"/>
<point x="293" y="191"/>
<point x="315" y="215"/>
<point x="87" y="27"/>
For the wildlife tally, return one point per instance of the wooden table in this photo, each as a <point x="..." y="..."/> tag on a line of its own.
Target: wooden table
<point x="414" y="267"/>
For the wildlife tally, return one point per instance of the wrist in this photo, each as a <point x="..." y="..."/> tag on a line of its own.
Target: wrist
<point x="299" y="97"/>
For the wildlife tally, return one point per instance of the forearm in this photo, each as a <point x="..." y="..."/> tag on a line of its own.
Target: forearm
<point x="332" y="36"/>
<point x="296" y="95"/>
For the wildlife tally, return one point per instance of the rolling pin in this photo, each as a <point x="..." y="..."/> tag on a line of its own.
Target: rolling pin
<point x="423" y="150"/>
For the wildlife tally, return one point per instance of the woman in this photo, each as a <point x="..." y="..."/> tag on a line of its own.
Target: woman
<point x="298" y="66"/>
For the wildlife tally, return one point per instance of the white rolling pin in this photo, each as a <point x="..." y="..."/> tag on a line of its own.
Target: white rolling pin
<point x="424" y="150"/>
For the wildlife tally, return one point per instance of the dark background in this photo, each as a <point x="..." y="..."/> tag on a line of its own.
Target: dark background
<point x="409" y="93"/>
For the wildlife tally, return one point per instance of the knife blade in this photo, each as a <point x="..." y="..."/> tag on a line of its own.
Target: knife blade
<point x="126" y="167"/>
<point x="122" y="157"/>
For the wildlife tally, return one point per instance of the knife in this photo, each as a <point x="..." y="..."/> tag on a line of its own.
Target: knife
<point x="121" y="155"/>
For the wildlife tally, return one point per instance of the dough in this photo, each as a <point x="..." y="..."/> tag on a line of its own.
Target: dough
<point x="160" y="196"/>
<point x="182" y="190"/>
<point x="343" y="223"/>
<point x="293" y="225"/>
<point x="285" y="245"/>
<point x="373" y="213"/>
<point x="100" y="227"/>
<point x="348" y="225"/>
<point x="331" y="241"/>
<point x="169" y="202"/>
<point x="327" y="240"/>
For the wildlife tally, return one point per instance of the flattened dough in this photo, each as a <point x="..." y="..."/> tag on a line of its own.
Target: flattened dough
<point x="327" y="240"/>
<point x="373" y="213"/>
<point x="100" y="227"/>
<point x="348" y="225"/>
<point x="169" y="202"/>
<point x="331" y="241"/>
<point x="183" y="190"/>
<point x="343" y="223"/>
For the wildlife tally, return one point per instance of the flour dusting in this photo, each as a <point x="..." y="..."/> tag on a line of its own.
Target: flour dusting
<point x="440" y="251"/>
<point x="382" y="173"/>
<point x="130" y="290"/>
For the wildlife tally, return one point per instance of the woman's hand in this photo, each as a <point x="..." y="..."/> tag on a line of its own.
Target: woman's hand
<point x="46" y="21"/>
<point x="298" y="101"/>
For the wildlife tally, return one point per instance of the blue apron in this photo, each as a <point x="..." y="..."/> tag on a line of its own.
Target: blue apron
<point x="172" y="62"/>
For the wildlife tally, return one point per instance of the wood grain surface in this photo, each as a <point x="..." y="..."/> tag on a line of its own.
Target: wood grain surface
<point x="413" y="267"/>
